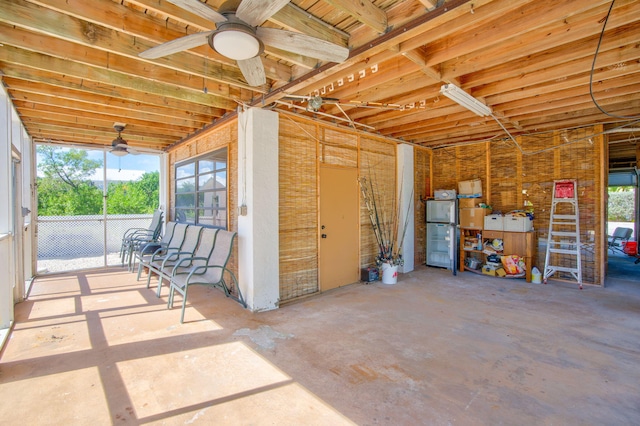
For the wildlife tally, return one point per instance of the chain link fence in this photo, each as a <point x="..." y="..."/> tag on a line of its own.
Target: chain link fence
<point x="77" y="242"/>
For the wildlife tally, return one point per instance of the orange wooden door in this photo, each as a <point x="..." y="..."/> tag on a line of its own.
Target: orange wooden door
<point x="339" y="242"/>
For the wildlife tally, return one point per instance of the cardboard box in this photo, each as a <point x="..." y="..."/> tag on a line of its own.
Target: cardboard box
<point x="494" y="222"/>
<point x="444" y="194"/>
<point x="472" y="217"/>
<point x="501" y="272"/>
<point x="470" y="187"/>
<point x="468" y="203"/>
<point x="518" y="223"/>
<point x="488" y="270"/>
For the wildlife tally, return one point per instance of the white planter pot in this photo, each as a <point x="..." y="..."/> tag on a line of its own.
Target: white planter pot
<point x="389" y="273"/>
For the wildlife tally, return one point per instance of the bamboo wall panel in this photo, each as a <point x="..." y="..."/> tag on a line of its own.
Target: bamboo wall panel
<point x="298" y="209"/>
<point x="471" y="163"/>
<point x="422" y="189"/>
<point x="444" y="169"/>
<point x="377" y="164"/>
<point x="503" y="177"/>
<point x="338" y="148"/>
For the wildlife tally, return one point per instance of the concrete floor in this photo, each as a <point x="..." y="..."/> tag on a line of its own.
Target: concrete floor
<point x="98" y="348"/>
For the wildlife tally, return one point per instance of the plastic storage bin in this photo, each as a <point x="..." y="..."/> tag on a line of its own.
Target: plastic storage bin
<point x="494" y="222"/>
<point x="518" y="223"/>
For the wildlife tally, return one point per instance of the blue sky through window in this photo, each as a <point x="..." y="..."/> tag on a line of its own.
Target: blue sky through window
<point x="128" y="167"/>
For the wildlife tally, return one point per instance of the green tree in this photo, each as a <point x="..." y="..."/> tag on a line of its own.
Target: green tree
<point x="65" y="188"/>
<point x="136" y="197"/>
<point x="73" y="166"/>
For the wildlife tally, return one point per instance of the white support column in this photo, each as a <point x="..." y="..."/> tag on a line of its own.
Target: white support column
<point x="258" y="224"/>
<point x="405" y="192"/>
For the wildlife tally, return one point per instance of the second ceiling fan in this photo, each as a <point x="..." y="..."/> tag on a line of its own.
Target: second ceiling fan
<point x="238" y="36"/>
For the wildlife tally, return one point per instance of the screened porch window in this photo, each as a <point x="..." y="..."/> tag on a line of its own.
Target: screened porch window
<point x="201" y="190"/>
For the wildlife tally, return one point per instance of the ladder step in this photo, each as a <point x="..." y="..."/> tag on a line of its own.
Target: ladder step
<point x="565" y="234"/>
<point x="560" y="269"/>
<point x="562" y="243"/>
<point x="564" y="251"/>
<point x="565" y="216"/>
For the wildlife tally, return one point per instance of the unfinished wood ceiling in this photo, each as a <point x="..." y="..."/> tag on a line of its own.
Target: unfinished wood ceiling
<point x="72" y="68"/>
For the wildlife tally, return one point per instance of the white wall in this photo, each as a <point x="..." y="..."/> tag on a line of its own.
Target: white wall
<point x="14" y="146"/>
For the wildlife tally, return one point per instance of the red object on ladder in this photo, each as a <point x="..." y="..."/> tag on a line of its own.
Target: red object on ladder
<point x="563" y="240"/>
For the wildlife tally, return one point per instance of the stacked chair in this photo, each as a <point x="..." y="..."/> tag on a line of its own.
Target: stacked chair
<point x="162" y="263"/>
<point x="134" y="238"/>
<point x="185" y="255"/>
<point x="172" y="239"/>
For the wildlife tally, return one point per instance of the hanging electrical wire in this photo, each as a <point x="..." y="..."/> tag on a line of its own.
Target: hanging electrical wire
<point x="593" y="66"/>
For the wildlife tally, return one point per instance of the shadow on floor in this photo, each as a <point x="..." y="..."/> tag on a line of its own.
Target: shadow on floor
<point x="623" y="267"/>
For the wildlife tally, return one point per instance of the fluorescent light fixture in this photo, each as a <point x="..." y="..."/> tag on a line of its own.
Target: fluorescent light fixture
<point x="458" y="95"/>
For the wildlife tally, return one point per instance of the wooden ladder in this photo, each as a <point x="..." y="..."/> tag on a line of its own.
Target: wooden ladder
<point x="564" y="231"/>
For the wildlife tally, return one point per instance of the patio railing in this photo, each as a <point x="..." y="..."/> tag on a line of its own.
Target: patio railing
<point x="84" y="236"/>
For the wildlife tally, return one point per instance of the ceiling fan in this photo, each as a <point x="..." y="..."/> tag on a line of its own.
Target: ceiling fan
<point x="239" y="36"/>
<point x="120" y="147"/>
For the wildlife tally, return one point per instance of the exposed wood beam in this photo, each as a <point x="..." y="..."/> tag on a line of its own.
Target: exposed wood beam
<point x="52" y="23"/>
<point x="429" y="4"/>
<point x="545" y="62"/>
<point x="296" y="19"/>
<point x="578" y="28"/>
<point x="82" y="108"/>
<point x="169" y="133"/>
<point x="43" y="62"/>
<point x="364" y="11"/>
<point x="418" y="58"/>
<point x="526" y="19"/>
<point x="103" y="101"/>
<point x="83" y="55"/>
<point x="109" y="14"/>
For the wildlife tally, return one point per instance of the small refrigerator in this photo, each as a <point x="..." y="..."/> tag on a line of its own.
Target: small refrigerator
<point x="442" y="233"/>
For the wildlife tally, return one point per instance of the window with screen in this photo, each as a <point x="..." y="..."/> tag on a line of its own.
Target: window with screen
<point x="201" y="190"/>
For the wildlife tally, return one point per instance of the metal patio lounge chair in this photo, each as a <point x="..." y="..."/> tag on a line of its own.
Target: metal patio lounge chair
<point x="619" y="236"/>
<point x="162" y="264"/>
<point x="172" y="238"/>
<point x="133" y="237"/>
<point x="207" y="267"/>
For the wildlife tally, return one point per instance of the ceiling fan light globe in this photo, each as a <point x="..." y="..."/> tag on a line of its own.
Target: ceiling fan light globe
<point x="237" y="45"/>
<point x="119" y="152"/>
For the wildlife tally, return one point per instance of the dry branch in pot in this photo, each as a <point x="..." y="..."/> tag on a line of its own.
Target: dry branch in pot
<point x="389" y="227"/>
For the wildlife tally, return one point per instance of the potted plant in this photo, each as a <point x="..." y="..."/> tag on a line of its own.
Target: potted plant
<point x="389" y="227"/>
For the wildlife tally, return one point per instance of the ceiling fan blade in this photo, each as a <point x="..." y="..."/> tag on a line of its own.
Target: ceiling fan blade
<point x="253" y="71"/>
<point x="200" y="9"/>
<point x="255" y="12"/>
<point x="177" y="45"/>
<point x="302" y="44"/>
